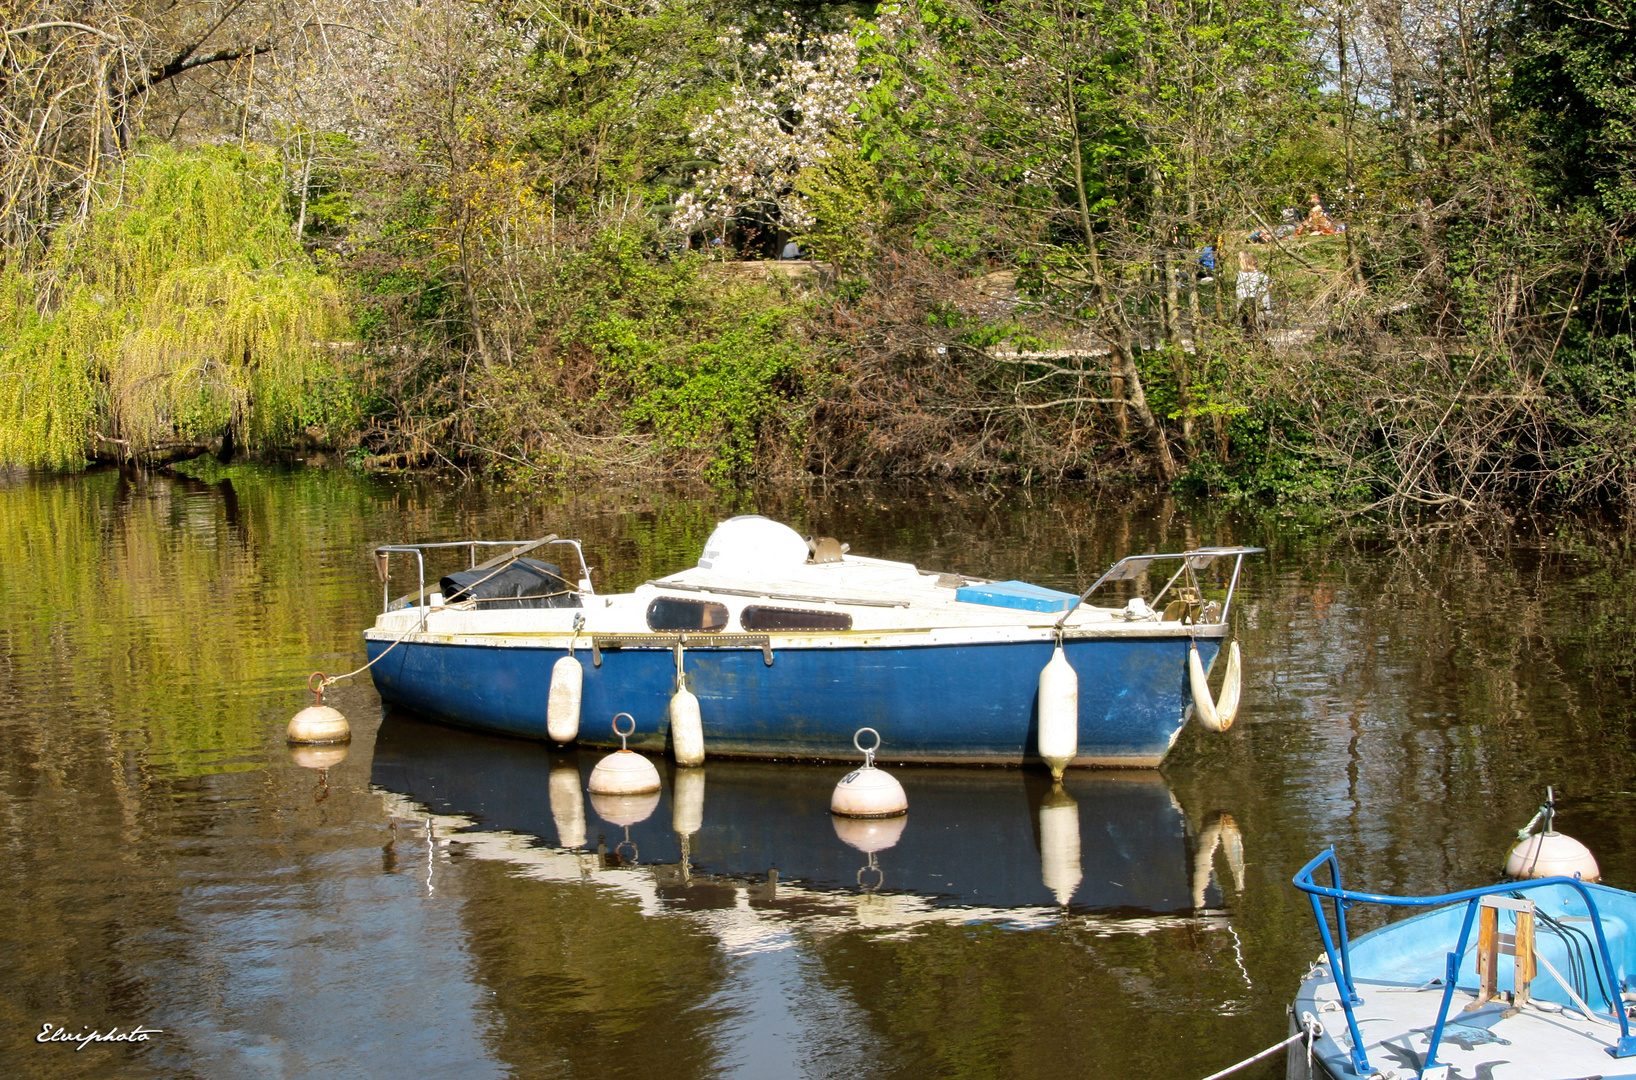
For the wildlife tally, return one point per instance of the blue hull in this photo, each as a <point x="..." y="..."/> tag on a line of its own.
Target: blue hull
<point x="972" y="704"/>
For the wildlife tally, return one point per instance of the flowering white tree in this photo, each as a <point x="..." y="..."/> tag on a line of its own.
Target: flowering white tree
<point x="795" y="93"/>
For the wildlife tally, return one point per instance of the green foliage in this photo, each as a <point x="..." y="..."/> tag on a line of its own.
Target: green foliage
<point x="181" y="306"/>
<point x="706" y="365"/>
<point x="844" y="194"/>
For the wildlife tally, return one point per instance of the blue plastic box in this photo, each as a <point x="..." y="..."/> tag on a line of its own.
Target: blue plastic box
<point x="1015" y="594"/>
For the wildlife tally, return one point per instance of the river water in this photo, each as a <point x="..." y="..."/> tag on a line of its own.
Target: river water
<point x="441" y="903"/>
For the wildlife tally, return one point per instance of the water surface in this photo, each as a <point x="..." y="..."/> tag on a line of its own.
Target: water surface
<point x="441" y="903"/>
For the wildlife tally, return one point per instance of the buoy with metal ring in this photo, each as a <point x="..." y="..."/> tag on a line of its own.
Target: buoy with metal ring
<point x="868" y="792"/>
<point x="562" y="705"/>
<point x="317" y="724"/>
<point x="624" y="772"/>
<point x="1059" y="713"/>
<point x="1549" y="853"/>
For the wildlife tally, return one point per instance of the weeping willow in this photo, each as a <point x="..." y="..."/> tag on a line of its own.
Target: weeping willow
<point x="181" y="308"/>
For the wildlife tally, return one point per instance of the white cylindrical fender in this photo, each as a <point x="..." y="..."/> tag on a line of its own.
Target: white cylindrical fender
<point x="686" y="728"/>
<point x="1551" y="854"/>
<point x="562" y="707"/>
<point x="1213" y="716"/>
<point x="1059" y="844"/>
<point x="567" y="806"/>
<point x="1232" y="684"/>
<point x="1059" y="713"/>
<point x="687" y="801"/>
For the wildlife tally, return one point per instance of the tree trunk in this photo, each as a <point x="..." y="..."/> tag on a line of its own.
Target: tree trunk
<point x="1124" y="358"/>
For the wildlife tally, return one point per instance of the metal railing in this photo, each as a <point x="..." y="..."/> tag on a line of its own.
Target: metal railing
<point x="1337" y="947"/>
<point x="418" y="598"/>
<point x="1133" y="566"/>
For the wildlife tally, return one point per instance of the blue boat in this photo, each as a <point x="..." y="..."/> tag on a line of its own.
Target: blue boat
<point x="789" y="645"/>
<point x="1523" y="979"/>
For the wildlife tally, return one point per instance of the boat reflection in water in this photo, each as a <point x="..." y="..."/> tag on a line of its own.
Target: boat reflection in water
<point x="1004" y="844"/>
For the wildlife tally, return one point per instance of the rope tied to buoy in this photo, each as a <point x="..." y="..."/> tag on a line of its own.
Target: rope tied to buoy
<point x="1310" y="1030"/>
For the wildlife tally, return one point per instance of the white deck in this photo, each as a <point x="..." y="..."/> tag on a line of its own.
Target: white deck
<point x="1542" y="1041"/>
<point x="890" y="603"/>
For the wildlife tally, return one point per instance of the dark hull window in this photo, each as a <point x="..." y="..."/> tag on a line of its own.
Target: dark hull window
<point x="672" y="614"/>
<point x="756" y="617"/>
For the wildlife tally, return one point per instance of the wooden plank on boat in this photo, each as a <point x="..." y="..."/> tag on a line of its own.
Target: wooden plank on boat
<point x="671" y="641"/>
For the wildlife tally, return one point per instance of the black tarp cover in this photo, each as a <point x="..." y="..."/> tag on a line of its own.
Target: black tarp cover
<point x="525" y="583"/>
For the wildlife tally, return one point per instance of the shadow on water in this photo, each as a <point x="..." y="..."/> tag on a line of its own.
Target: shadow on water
<point x="435" y="903"/>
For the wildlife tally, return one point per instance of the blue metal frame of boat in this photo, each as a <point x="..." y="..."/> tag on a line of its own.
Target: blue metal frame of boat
<point x="1340" y="962"/>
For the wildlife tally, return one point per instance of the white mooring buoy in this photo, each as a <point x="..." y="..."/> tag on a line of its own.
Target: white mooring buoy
<point x="562" y="706"/>
<point x="868" y="792"/>
<point x="1549" y="853"/>
<point x="317" y="724"/>
<point x="567" y="806"/>
<point x="1059" y="713"/>
<point x="624" y="772"/>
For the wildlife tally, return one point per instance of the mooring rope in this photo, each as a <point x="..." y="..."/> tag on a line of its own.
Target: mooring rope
<point x="1310" y="1030"/>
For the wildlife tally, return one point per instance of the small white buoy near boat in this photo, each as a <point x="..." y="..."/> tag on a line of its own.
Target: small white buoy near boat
<point x="1549" y="853"/>
<point x="562" y="706"/>
<point x="1059" y="713"/>
<point x="1218" y="714"/>
<point x="567" y="806"/>
<point x="317" y="724"/>
<point x="624" y="772"/>
<point x="1059" y="844"/>
<point x="868" y="792"/>
<point x="686" y="724"/>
